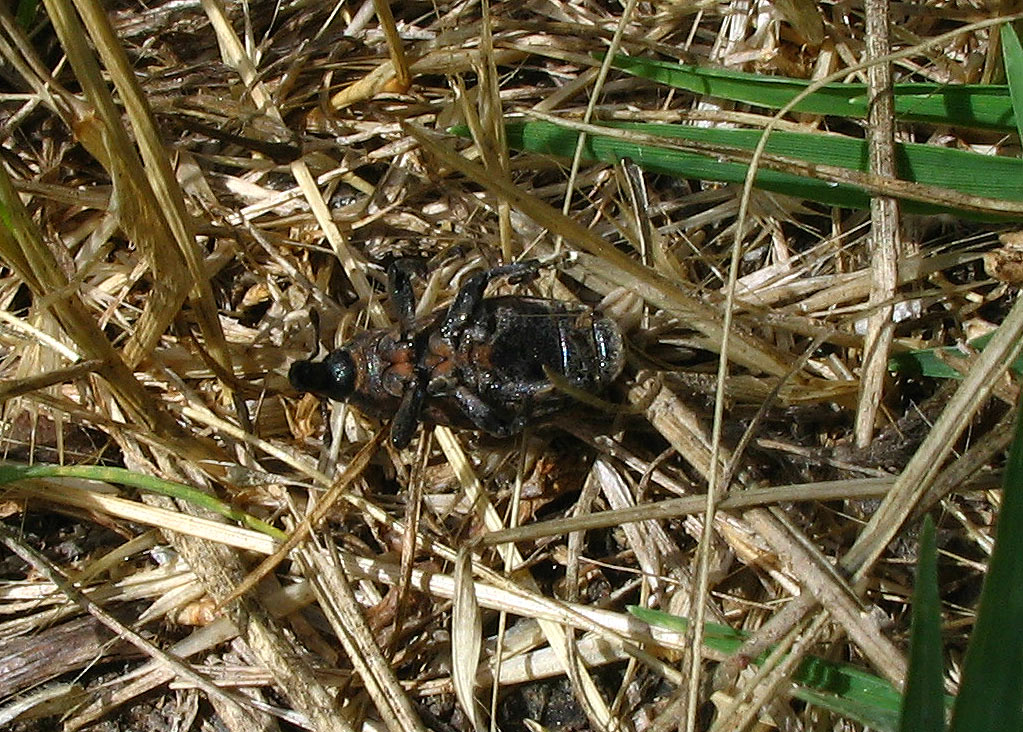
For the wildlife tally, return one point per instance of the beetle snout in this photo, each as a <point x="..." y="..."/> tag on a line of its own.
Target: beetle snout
<point x="307" y="376"/>
<point x="333" y="378"/>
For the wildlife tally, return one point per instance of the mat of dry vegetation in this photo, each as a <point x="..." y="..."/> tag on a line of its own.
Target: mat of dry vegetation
<point x="202" y="183"/>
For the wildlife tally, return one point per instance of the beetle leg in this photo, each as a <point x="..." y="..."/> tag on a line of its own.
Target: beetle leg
<point x="517" y="272"/>
<point x="470" y="295"/>
<point x="483" y="416"/>
<point x="399" y="288"/>
<point x="406" y="419"/>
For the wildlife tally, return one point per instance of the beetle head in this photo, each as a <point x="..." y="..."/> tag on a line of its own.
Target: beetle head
<point x="334" y="377"/>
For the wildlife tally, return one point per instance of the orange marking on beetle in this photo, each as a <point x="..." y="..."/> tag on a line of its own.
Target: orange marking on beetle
<point x="442" y="368"/>
<point x="400" y="369"/>
<point x="395" y="378"/>
<point x="401" y="356"/>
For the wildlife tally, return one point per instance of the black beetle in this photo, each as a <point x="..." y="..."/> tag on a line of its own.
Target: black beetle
<point x="478" y="363"/>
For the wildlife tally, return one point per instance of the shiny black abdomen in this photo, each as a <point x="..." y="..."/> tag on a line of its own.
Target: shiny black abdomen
<point x="514" y="338"/>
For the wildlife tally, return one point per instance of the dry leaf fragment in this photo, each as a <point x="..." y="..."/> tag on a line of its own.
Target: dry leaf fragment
<point x="1006" y="262"/>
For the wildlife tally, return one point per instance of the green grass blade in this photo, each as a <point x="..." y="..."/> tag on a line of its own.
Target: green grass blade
<point x="26" y="13"/>
<point x="547" y="138"/>
<point x="718" y="637"/>
<point x="10" y="472"/>
<point x="869" y="715"/>
<point x="1012" y="53"/>
<point x="922" y="707"/>
<point x="991" y="692"/>
<point x="968" y="173"/>
<point x="842" y="688"/>
<point x="964" y="105"/>
<point x="935" y="362"/>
